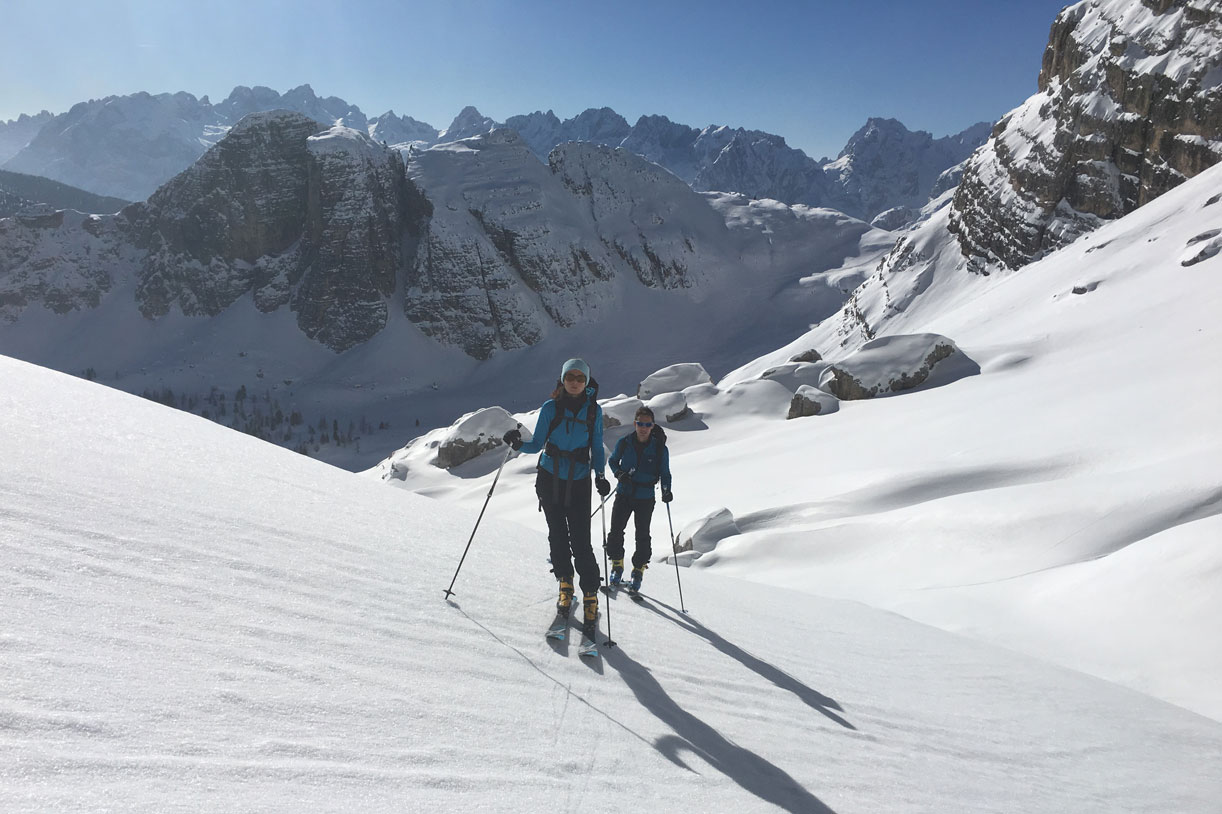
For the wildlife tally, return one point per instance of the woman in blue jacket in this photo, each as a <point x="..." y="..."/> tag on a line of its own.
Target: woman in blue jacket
<point x="639" y="462"/>
<point x="569" y="433"/>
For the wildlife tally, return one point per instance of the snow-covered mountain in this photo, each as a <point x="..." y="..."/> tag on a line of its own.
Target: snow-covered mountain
<point x="392" y="129"/>
<point x="128" y="146"/>
<point x="318" y="241"/>
<point x="970" y="467"/>
<point x="885" y="165"/>
<point x="17" y="133"/>
<point x="98" y="146"/>
<point x="543" y="131"/>
<point x="1130" y="105"/>
<point x="1077" y="154"/>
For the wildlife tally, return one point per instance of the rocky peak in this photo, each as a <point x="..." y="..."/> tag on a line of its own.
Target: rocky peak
<point x="885" y="165"/>
<point x="290" y="211"/>
<point x="1130" y="106"/>
<point x="17" y="133"/>
<point x="469" y="122"/>
<point x="393" y="129"/>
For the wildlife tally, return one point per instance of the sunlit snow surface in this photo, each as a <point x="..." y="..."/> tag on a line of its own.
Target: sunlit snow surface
<point x="1064" y="503"/>
<point x="197" y="621"/>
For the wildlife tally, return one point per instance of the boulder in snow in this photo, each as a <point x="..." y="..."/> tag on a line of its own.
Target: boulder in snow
<point x="809" y="401"/>
<point x="792" y="376"/>
<point x="702" y="536"/>
<point x="892" y="364"/>
<point x="619" y="411"/>
<point x="473" y="435"/>
<point x="810" y="355"/>
<point x="673" y="379"/>
<point x="670" y="407"/>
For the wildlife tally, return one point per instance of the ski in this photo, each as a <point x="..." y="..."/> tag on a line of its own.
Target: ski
<point x="560" y="628"/>
<point x="588" y="649"/>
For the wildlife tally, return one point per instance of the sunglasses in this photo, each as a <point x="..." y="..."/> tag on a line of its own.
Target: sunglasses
<point x="574" y="377"/>
<point x="644" y="423"/>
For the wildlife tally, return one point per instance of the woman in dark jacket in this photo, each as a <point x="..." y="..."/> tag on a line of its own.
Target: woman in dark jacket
<point x="640" y="461"/>
<point x="569" y="433"/>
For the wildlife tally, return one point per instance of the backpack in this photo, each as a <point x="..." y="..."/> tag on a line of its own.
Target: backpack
<point x="572" y="456"/>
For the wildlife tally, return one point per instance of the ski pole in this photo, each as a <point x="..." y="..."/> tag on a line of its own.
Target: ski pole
<point x="450" y="591"/>
<point x="599" y="507"/>
<point x="610" y="642"/>
<point x="674" y="548"/>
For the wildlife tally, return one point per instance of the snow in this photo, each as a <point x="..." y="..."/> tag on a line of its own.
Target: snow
<point x="673" y="378"/>
<point x="196" y="620"/>
<point x="1064" y="502"/>
<point x="340" y="139"/>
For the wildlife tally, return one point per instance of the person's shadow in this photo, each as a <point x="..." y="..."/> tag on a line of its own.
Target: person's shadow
<point x="750" y="771"/>
<point x="780" y="678"/>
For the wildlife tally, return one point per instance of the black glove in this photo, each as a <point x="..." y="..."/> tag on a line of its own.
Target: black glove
<point x="622" y="476"/>
<point x="514" y="439"/>
<point x="667" y="497"/>
<point x="604" y="488"/>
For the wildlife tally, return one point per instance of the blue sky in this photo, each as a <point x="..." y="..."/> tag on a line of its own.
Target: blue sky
<point x="811" y="71"/>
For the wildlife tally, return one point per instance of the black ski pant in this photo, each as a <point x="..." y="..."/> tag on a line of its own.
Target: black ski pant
<point x="568" y="529"/>
<point x="642" y="508"/>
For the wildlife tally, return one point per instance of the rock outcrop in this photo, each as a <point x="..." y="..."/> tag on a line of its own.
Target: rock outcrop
<point x="893" y="364"/>
<point x="1130" y="105"/>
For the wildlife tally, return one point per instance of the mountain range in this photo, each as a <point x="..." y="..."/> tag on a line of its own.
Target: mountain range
<point x="350" y="280"/>
<point x="128" y="146"/>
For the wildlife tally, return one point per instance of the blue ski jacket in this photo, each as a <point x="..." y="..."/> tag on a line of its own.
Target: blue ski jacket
<point x="564" y="452"/>
<point x="647" y="464"/>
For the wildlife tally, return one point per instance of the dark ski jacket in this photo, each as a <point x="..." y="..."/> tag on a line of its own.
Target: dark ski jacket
<point x="648" y="464"/>
<point x="565" y="451"/>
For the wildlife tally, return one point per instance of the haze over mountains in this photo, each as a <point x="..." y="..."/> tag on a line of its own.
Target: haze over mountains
<point x="128" y="146"/>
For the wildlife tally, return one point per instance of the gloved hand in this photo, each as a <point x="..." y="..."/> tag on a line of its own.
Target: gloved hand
<point x="604" y="488"/>
<point x="514" y="439"/>
<point x="667" y="496"/>
<point x="622" y="476"/>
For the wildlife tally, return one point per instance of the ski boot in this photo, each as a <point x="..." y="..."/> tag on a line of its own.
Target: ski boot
<point x="565" y="603"/>
<point x="617" y="573"/>
<point x="589" y="624"/>
<point x="637" y="575"/>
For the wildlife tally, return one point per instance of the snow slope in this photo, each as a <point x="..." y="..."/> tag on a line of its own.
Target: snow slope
<point x="1066" y="502"/>
<point x="197" y="621"/>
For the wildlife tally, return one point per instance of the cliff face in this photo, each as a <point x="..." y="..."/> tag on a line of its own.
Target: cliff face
<point x="513" y="246"/>
<point x="1130" y="106"/>
<point x="483" y="247"/>
<point x="295" y="216"/>
<point x="282" y="209"/>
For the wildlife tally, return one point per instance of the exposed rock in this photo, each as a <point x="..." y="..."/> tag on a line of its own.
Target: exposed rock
<point x="1202" y="247"/>
<point x="808" y="401"/>
<point x="472" y="436"/>
<point x="297" y="217"/>
<point x="669" y="407"/>
<point x="1129" y="107"/>
<point x="702" y="536"/>
<point x="619" y="411"/>
<point x="811" y="355"/>
<point x="885" y="166"/>
<point x="893" y="364"/>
